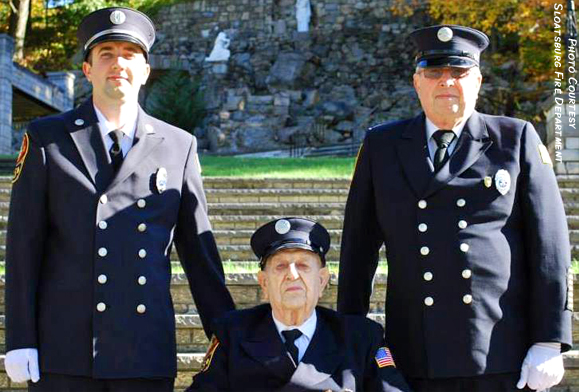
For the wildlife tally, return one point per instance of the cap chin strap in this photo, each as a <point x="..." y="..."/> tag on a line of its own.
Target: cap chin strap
<point x="445" y="52"/>
<point x="115" y="31"/>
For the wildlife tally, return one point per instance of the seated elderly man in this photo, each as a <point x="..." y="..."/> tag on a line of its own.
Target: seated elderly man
<point x="290" y="344"/>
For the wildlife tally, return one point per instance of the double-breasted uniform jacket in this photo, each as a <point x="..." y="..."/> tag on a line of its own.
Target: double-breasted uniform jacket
<point x="250" y="356"/>
<point x="88" y="272"/>
<point x="478" y="253"/>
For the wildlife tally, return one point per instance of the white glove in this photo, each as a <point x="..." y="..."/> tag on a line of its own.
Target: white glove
<point x="22" y="365"/>
<point x="542" y="367"/>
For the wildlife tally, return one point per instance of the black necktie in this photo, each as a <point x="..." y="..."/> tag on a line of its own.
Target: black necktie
<point x="443" y="138"/>
<point x="116" y="152"/>
<point x="290" y="338"/>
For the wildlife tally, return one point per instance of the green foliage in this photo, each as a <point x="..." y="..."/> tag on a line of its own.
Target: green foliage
<point x="51" y="42"/>
<point x="176" y="99"/>
<point x="519" y="58"/>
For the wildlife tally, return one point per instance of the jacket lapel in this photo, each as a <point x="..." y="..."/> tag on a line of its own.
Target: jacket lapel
<point x="146" y="140"/>
<point x="324" y="353"/>
<point x="82" y="123"/>
<point x="265" y="346"/>
<point x="473" y="142"/>
<point x="412" y="151"/>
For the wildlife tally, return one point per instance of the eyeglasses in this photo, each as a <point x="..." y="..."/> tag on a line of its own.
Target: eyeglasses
<point x="436" y="73"/>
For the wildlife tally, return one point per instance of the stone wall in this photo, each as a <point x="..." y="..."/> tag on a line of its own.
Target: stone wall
<point x="280" y="87"/>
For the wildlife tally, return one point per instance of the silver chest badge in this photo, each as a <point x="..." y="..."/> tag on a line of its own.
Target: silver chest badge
<point x="118" y="17"/>
<point x="503" y="181"/>
<point x="282" y="226"/>
<point x="161" y="180"/>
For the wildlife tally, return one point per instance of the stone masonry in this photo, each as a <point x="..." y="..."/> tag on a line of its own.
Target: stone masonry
<point x="55" y="91"/>
<point x="280" y="87"/>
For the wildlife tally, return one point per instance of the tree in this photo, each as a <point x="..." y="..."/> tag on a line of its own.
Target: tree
<point x="51" y="42"/>
<point x="20" y="10"/>
<point x="518" y="62"/>
<point x="176" y="99"/>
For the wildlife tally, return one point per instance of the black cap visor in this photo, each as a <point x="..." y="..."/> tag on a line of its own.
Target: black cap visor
<point x="294" y="243"/>
<point x="117" y="37"/>
<point x="449" y="61"/>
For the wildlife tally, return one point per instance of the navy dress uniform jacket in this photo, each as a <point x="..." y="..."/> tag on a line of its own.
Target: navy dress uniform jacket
<point x="340" y="357"/>
<point x="79" y="236"/>
<point x="475" y="277"/>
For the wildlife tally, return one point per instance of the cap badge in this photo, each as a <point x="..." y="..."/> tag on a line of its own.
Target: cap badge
<point x="118" y="17"/>
<point x="282" y="226"/>
<point x="503" y="181"/>
<point x="161" y="180"/>
<point x="444" y="34"/>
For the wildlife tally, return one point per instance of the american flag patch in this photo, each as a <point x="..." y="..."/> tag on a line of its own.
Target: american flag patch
<point x="384" y="357"/>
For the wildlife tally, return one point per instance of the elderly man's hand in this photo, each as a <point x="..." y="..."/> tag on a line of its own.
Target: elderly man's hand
<point x="542" y="367"/>
<point x="22" y="365"/>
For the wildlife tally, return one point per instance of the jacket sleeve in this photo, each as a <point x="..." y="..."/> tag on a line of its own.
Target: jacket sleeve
<point x="27" y="228"/>
<point x="197" y="248"/>
<point x="214" y="373"/>
<point x="547" y="249"/>
<point x="361" y="239"/>
<point x="386" y="378"/>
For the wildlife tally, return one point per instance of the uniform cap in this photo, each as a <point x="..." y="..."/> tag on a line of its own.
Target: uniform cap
<point x="449" y="46"/>
<point x="288" y="233"/>
<point x="116" y="24"/>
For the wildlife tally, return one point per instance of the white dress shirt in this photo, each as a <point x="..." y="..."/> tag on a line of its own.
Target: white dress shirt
<point x="128" y="128"/>
<point x="307" y="329"/>
<point x="432" y="146"/>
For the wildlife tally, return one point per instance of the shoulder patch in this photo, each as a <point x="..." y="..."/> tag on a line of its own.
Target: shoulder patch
<point x="544" y="154"/>
<point x="384" y="357"/>
<point x="21" y="158"/>
<point x="209" y="355"/>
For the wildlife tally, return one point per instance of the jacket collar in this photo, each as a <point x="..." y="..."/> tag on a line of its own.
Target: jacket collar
<point x="412" y="151"/>
<point x="322" y="358"/>
<point x="82" y="124"/>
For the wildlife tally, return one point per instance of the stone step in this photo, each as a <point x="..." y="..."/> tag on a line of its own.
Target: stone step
<point x="190" y="363"/>
<point x="242" y="237"/>
<point x="568" y="181"/>
<point x="252" y="222"/>
<point x="246" y="292"/>
<point x="565" y="182"/>
<point x="191" y="337"/>
<point x="284" y="209"/>
<point x="571" y="208"/>
<point x="244" y="252"/>
<point x="313" y="195"/>
<point x="570" y="194"/>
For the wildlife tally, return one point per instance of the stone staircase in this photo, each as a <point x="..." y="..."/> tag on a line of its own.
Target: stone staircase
<point x="237" y="207"/>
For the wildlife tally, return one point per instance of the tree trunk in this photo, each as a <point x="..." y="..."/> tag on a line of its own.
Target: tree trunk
<point x="18" y="22"/>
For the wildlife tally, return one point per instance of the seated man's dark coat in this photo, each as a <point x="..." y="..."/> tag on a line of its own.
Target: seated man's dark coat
<point x="252" y="357"/>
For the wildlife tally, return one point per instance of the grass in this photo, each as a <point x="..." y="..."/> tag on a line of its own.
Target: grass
<point x="277" y="167"/>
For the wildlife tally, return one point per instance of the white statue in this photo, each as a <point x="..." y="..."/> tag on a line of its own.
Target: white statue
<point x="220" y="51"/>
<point x="303" y="15"/>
